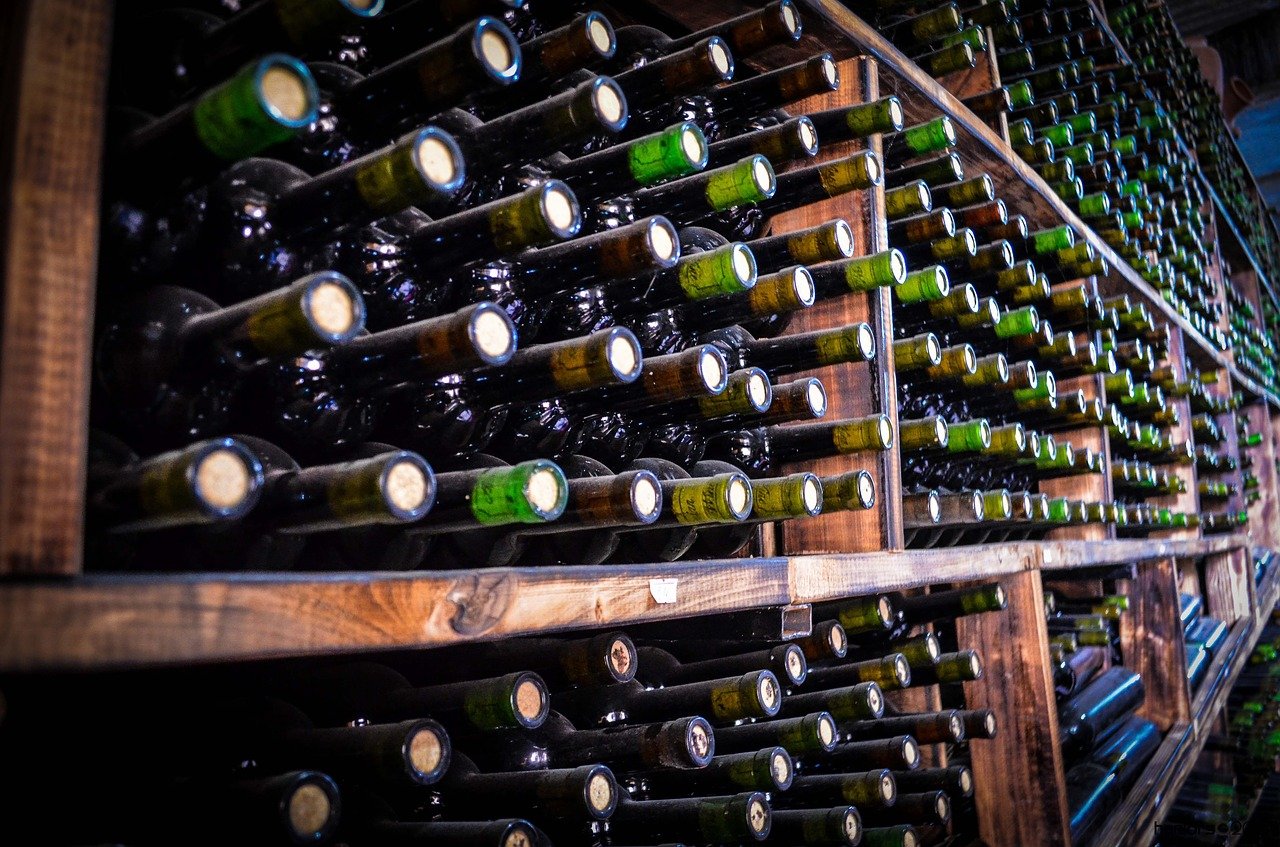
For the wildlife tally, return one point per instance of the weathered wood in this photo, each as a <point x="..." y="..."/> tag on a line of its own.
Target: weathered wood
<point x="1228" y="585"/>
<point x="133" y="621"/>
<point x="1018" y="775"/>
<point x="1151" y="642"/>
<point x="1071" y="555"/>
<point x="51" y="147"/>
<point x="852" y="390"/>
<point x="826" y="577"/>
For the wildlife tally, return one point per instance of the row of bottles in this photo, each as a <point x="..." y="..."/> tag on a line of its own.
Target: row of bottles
<point x="701" y="737"/>
<point x="1172" y="71"/>
<point x="441" y="286"/>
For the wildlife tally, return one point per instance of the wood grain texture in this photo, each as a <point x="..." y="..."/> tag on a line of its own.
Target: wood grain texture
<point x="825" y="577"/>
<point x="1152" y="644"/>
<point x="1228" y="585"/>
<point x="52" y="146"/>
<point x="1068" y="555"/>
<point x="1019" y="783"/>
<point x="134" y="621"/>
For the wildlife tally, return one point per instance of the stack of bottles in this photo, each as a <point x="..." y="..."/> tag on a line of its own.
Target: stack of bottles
<point x="700" y="738"/>
<point x="1084" y="637"/>
<point x="1104" y="744"/>
<point x="1253" y="347"/>
<point x="1216" y="455"/>
<point x="1087" y="123"/>
<point x="1204" y="636"/>
<point x="1172" y="71"/>
<point x="1232" y="775"/>
<point x="465" y="290"/>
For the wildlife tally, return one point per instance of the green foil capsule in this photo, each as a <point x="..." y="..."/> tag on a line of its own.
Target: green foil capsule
<point x="674" y="152"/>
<point x="931" y="283"/>
<point x="266" y="102"/>
<point x="530" y="492"/>
<point x="729" y="269"/>
<point x="750" y="180"/>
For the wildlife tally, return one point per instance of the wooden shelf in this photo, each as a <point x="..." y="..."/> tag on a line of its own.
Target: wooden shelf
<point x="144" y="620"/>
<point x="1074" y="555"/>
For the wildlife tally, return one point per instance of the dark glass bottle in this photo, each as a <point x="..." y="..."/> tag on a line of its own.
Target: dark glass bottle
<point x="687" y="742"/>
<point x="168" y="365"/>
<point x="322" y="399"/>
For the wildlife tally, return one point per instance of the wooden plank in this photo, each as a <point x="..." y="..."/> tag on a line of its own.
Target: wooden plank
<point x="826" y="577"/>
<point x="51" y="146"/>
<point x="1151" y="641"/>
<point x="1068" y="555"/>
<point x="1228" y="579"/>
<point x="1018" y="776"/>
<point x="853" y="390"/>
<point x="134" y="621"/>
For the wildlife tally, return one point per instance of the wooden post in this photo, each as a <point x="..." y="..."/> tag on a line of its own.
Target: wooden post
<point x="50" y="159"/>
<point x="1018" y="776"/>
<point x="1151" y="642"/>
<point x="1228" y="585"/>
<point x="852" y="390"/>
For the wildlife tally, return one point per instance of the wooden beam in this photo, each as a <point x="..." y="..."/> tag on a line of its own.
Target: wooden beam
<point x="1018" y="776"/>
<point x="51" y="147"/>
<point x="1151" y="641"/>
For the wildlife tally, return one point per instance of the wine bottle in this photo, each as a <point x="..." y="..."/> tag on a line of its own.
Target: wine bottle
<point x="264" y="220"/>
<point x="813" y="733"/>
<point x="767" y="770"/>
<point x="761" y="451"/>
<point x="961" y="666"/>
<point x="776" y="23"/>
<point x="1109" y="698"/>
<point x="791" y="140"/>
<point x="956" y="780"/>
<point x="866" y="790"/>
<point x="168" y="364"/>
<point x="451" y="420"/>
<point x="752" y="695"/>
<point x="341" y="693"/>
<point x="929" y="807"/>
<point x="857" y="122"/>
<point x="786" y="661"/>
<point x="944" y="727"/>
<point x="324" y="398"/>
<point x="682" y="743"/>
<point x="792" y="353"/>
<point x="219" y="480"/>
<point x="587" y="792"/>
<point x="200" y="48"/>
<point x="890" y="672"/>
<point x="841" y="825"/>
<point x="899" y="754"/>
<point x="812" y="184"/>
<point x="822" y="243"/>
<point x="748" y="181"/>
<point x="394" y="757"/>
<point x="740" y="817"/>
<point x="860" y="702"/>
<point x="675" y="152"/>
<point x="263" y="104"/>
<point x="688" y="70"/>
<point x="608" y="658"/>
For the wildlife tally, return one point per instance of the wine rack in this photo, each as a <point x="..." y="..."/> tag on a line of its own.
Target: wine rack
<point x="55" y="616"/>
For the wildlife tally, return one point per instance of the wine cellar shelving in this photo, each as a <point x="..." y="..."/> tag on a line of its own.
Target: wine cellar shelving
<point x="58" y="615"/>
